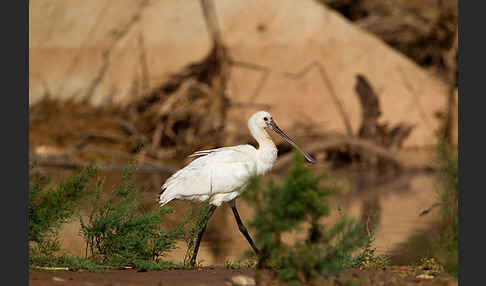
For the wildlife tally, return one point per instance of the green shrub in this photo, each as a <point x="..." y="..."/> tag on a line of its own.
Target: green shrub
<point x="50" y="207"/>
<point x="239" y="264"/>
<point x="367" y="258"/>
<point x="285" y="208"/>
<point x="117" y="233"/>
<point x="430" y="266"/>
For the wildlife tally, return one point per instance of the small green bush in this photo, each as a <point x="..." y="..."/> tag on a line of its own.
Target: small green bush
<point x="430" y="266"/>
<point x="50" y="207"/>
<point x="285" y="208"/>
<point x="239" y="264"/>
<point x="117" y="233"/>
<point x="367" y="258"/>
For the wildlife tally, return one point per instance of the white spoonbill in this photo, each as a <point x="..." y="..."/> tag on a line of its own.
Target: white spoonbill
<point x="219" y="175"/>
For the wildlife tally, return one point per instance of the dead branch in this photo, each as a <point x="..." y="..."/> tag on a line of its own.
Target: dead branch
<point x="370" y="108"/>
<point x="129" y="128"/>
<point x="357" y="145"/>
<point x="391" y="138"/>
<point x="87" y="136"/>
<point x="422" y="30"/>
<point x="78" y="57"/>
<point x="59" y="162"/>
<point x="51" y="268"/>
<point x="427" y="210"/>
<point x="414" y="92"/>
<point x="212" y="21"/>
<point x="119" y="154"/>
<point x="370" y="129"/>
<point x="250" y="105"/>
<point x="365" y="145"/>
<point x="330" y="87"/>
<point x="252" y="66"/>
<point x="143" y="63"/>
<point x="66" y="158"/>
<point x="117" y="35"/>
<point x="376" y="143"/>
<point x="190" y="105"/>
<point x="450" y="58"/>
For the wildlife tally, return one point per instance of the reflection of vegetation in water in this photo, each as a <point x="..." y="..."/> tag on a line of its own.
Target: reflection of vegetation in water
<point x="284" y="208"/>
<point x="441" y="239"/>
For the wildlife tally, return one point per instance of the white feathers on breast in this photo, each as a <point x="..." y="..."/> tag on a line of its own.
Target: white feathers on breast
<point x="218" y="175"/>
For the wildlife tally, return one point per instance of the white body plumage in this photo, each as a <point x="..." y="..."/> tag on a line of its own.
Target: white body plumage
<point x="220" y="174"/>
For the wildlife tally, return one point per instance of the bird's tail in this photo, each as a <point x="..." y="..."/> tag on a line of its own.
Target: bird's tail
<point x="164" y="202"/>
<point x="164" y="198"/>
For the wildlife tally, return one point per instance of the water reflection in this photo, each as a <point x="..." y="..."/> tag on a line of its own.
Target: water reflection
<point x="392" y="201"/>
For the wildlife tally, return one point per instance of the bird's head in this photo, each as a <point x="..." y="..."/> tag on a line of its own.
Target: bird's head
<point x="263" y="120"/>
<point x="260" y="119"/>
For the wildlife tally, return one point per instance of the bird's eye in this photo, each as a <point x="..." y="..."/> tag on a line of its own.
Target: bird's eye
<point x="265" y="118"/>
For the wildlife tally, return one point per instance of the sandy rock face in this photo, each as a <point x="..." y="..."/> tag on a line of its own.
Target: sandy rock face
<point x="308" y="56"/>
<point x="102" y="48"/>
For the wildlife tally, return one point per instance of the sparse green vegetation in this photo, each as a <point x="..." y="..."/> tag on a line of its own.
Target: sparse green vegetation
<point x="117" y="233"/>
<point x="51" y="206"/>
<point x="431" y="266"/>
<point x="240" y="264"/>
<point x="368" y="259"/>
<point x="283" y="208"/>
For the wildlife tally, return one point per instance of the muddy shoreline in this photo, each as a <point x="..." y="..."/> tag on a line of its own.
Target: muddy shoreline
<point x="217" y="275"/>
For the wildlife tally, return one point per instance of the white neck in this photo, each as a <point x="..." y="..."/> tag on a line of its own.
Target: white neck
<point x="261" y="136"/>
<point x="266" y="151"/>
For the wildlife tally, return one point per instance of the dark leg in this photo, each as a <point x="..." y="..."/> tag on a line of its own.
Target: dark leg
<point x="243" y="228"/>
<point x="204" y="223"/>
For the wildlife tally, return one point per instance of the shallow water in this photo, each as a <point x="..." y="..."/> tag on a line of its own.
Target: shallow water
<point x="396" y="200"/>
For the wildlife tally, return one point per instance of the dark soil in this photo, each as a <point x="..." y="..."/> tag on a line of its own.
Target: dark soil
<point x="202" y="276"/>
<point x="222" y="276"/>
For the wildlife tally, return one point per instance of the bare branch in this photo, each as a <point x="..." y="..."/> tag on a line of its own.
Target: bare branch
<point x="132" y="130"/>
<point x="266" y="73"/>
<point x="354" y="142"/>
<point x="250" y="105"/>
<point x="59" y="162"/>
<point x="330" y="87"/>
<point x="427" y="210"/>
<point x="211" y="21"/>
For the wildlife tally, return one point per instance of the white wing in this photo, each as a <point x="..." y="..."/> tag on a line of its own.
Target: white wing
<point x="205" y="152"/>
<point x="220" y="170"/>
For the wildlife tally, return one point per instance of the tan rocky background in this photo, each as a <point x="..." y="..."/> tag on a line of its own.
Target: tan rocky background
<point x="114" y="51"/>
